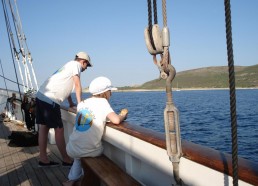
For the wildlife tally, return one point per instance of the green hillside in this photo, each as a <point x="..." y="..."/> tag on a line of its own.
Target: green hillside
<point x="209" y="77"/>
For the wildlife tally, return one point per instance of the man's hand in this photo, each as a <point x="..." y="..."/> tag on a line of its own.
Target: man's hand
<point x="72" y="109"/>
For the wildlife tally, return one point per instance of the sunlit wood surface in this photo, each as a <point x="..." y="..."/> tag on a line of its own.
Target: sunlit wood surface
<point x="19" y="165"/>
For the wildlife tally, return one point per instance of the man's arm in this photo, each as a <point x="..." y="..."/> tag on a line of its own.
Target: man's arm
<point x="78" y="88"/>
<point x="71" y="104"/>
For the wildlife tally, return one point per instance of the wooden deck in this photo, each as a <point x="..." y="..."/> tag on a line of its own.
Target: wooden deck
<point x="19" y="165"/>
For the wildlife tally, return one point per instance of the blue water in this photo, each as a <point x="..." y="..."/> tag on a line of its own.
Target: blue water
<point x="204" y="116"/>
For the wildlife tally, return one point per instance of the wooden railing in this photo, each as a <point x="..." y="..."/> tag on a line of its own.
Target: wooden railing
<point x="222" y="162"/>
<point x="216" y="160"/>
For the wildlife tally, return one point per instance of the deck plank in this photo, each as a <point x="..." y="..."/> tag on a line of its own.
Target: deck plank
<point x="41" y="176"/>
<point x="19" y="165"/>
<point x="55" y="156"/>
<point x="3" y="179"/>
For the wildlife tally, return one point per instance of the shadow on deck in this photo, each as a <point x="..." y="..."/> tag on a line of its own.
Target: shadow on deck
<point x="19" y="165"/>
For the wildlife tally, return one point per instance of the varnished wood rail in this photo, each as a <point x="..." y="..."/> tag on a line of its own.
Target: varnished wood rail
<point x="222" y="162"/>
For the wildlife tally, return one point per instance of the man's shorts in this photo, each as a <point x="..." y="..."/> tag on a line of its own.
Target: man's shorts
<point x="48" y="114"/>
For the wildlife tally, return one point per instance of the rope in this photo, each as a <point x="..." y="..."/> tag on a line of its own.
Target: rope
<point x="22" y="40"/>
<point x="164" y="12"/>
<point x="232" y="92"/>
<point x="165" y="59"/>
<point x="17" y="28"/>
<point x="25" y="53"/>
<point x="167" y="71"/>
<point x="33" y="72"/>
<point x="20" y="70"/>
<point x="12" y="81"/>
<point x="4" y="79"/>
<point x="13" y="43"/>
<point x="19" y="25"/>
<point x="155" y="12"/>
<point x="9" y="38"/>
<point x="150" y="24"/>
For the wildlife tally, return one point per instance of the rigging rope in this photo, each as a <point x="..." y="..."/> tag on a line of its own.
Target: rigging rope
<point x="232" y="91"/>
<point x="28" y="85"/>
<point x="4" y="79"/>
<point x="19" y="44"/>
<point x="154" y="38"/>
<point x="26" y="55"/>
<point x="150" y="23"/>
<point x="171" y="115"/>
<point x="11" y="80"/>
<point x="155" y="12"/>
<point x="17" y="28"/>
<point x="8" y="27"/>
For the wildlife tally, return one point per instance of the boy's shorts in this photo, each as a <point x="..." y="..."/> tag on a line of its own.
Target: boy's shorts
<point x="48" y="114"/>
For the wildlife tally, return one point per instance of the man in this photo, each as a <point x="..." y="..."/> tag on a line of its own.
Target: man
<point x="51" y="94"/>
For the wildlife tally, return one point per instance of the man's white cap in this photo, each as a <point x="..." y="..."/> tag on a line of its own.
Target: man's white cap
<point x="100" y="85"/>
<point x="84" y="55"/>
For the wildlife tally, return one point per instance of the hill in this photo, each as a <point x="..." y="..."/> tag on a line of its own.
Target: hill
<point x="208" y="77"/>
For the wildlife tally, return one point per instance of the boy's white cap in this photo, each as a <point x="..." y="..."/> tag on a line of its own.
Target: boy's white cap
<point x="84" y="55"/>
<point x="100" y="85"/>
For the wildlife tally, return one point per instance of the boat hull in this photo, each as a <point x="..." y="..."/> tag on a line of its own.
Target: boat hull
<point x="142" y="153"/>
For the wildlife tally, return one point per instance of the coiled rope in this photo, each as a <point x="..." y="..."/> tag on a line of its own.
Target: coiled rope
<point x="232" y="92"/>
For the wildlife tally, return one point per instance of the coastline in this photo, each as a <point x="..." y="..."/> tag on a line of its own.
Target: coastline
<point x="174" y="89"/>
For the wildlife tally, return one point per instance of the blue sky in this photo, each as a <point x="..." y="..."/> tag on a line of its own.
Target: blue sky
<point x="112" y="33"/>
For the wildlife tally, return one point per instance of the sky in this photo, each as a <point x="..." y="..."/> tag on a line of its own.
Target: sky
<point x="111" y="32"/>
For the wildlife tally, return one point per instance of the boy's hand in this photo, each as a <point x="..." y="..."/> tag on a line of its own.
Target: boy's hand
<point x="124" y="112"/>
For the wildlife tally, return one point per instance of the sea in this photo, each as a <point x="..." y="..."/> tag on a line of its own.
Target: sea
<point x="204" y="116"/>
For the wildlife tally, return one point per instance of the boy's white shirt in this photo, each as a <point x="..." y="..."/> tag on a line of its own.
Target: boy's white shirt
<point x="83" y="143"/>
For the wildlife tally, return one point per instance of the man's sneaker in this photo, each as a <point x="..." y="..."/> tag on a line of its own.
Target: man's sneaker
<point x="65" y="164"/>
<point x="50" y="164"/>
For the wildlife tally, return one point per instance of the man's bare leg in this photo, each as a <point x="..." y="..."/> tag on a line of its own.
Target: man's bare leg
<point x="42" y="140"/>
<point x="60" y="142"/>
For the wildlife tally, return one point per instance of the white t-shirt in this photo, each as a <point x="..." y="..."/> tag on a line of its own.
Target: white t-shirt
<point x="89" y="127"/>
<point x="60" y="85"/>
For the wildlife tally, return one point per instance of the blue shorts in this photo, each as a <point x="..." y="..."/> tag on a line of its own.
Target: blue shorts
<point x="48" y="114"/>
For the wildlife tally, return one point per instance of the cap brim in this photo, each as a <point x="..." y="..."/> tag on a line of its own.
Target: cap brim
<point x="89" y="64"/>
<point x="109" y="88"/>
